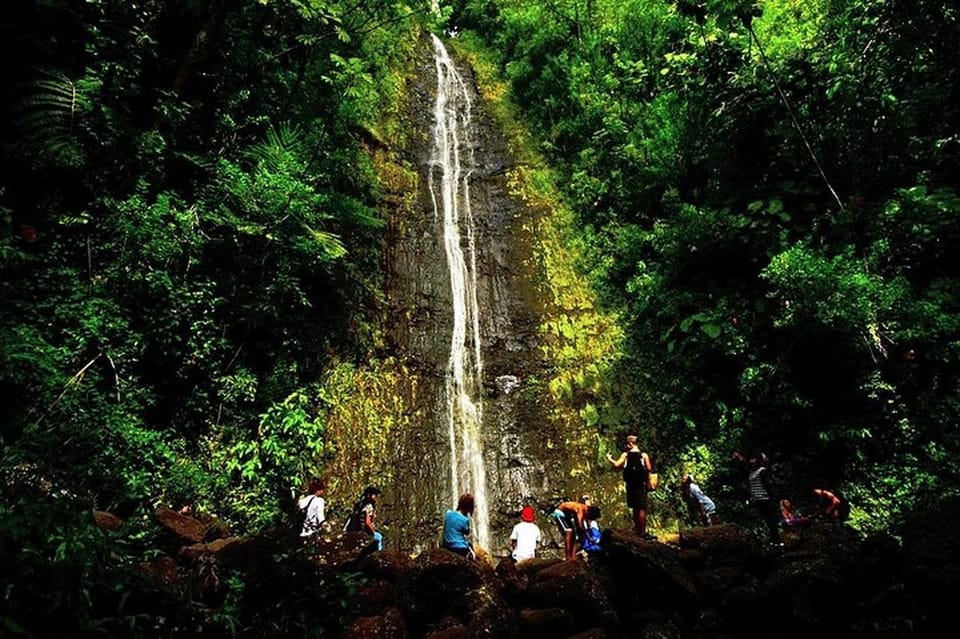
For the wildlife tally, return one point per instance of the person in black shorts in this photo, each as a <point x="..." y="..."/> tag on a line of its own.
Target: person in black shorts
<point x="569" y="517"/>
<point x="636" y="468"/>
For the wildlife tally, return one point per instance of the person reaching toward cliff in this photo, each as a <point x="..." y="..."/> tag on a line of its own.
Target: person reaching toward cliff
<point x="456" y="527"/>
<point x="636" y="467"/>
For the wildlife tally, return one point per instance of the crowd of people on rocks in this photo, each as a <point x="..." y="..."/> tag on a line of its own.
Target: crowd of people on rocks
<point x="577" y="522"/>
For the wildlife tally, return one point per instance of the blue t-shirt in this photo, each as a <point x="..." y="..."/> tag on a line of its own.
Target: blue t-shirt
<point x="456" y="530"/>
<point x="708" y="506"/>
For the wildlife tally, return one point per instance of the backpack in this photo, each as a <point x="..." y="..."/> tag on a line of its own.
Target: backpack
<point x="301" y="517"/>
<point x="354" y="521"/>
<point x="634" y="472"/>
<point x="591" y="539"/>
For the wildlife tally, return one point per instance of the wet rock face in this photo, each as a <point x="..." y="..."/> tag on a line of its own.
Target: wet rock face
<point x="511" y="309"/>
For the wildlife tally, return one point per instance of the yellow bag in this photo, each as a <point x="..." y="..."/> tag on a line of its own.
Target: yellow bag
<point x="653" y="480"/>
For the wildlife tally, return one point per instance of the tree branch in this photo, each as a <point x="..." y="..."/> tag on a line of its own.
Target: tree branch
<point x="793" y="118"/>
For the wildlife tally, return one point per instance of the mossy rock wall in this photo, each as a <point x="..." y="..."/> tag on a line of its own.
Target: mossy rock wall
<point x="545" y="344"/>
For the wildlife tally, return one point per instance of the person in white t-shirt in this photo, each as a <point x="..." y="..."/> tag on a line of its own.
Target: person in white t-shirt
<point x="313" y="504"/>
<point x="525" y="536"/>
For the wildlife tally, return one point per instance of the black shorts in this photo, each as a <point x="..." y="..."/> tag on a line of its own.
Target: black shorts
<point x="636" y="497"/>
<point x="565" y="521"/>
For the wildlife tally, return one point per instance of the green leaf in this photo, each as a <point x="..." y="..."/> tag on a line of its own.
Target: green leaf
<point x="711" y="329"/>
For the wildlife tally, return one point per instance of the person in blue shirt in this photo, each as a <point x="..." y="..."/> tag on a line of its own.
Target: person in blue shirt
<point x="456" y="527"/>
<point x="698" y="502"/>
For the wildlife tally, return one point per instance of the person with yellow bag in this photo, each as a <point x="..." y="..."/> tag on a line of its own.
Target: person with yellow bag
<point x="638" y="479"/>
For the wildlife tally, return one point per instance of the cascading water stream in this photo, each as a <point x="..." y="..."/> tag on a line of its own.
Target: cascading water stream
<point x="451" y="200"/>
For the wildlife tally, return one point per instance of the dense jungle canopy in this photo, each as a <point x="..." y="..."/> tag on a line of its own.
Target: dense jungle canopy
<point x="764" y="194"/>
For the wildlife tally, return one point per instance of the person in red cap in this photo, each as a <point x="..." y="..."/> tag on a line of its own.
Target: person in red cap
<point x="525" y="536"/>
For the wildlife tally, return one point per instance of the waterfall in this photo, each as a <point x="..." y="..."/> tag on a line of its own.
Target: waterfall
<point x="452" y="158"/>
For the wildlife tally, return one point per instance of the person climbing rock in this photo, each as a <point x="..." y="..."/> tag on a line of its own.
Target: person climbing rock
<point x="569" y="517"/>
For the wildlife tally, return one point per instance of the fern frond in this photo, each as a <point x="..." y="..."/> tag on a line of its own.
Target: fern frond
<point x="355" y="212"/>
<point x="279" y="145"/>
<point x="47" y="117"/>
<point x="330" y="243"/>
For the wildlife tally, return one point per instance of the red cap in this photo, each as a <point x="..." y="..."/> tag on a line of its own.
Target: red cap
<point x="527" y="513"/>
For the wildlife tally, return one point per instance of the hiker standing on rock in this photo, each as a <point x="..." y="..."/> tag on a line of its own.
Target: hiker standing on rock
<point x="759" y="495"/>
<point x="636" y="470"/>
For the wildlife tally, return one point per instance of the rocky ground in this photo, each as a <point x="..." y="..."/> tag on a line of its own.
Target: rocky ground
<point x="718" y="582"/>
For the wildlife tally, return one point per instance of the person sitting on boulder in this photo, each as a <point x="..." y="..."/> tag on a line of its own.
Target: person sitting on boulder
<point x="456" y="527"/>
<point x="789" y="517"/>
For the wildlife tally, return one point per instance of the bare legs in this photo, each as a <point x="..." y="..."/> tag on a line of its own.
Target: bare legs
<point x="569" y="545"/>
<point x="640" y="521"/>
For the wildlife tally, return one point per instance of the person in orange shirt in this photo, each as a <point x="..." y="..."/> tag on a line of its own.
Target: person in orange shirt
<point x="569" y="517"/>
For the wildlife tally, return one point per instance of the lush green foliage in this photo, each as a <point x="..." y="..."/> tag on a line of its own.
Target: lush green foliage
<point x="768" y="197"/>
<point x="767" y="193"/>
<point x="195" y="239"/>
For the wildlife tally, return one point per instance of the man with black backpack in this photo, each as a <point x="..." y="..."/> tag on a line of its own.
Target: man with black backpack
<point x="312" y="507"/>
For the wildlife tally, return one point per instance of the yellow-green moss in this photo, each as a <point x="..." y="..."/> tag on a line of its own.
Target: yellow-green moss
<point x="580" y="341"/>
<point x="367" y="406"/>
